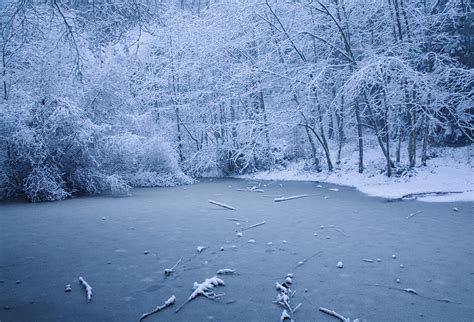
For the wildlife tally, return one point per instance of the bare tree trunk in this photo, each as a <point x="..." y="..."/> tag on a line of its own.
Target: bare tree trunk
<point x="4" y="74"/>
<point x="360" y="139"/>
<point x="426" y="131"/>
<point x="399" y="135"/>
<point x="340" y="127"/>
<point x="325" y="148"/>
<point x="324" y="142"/>
<point x="313" y="150"/>
<point x="180" y="142"/>
<point x="265" y="125"/>
<point x="387" y="142"/>
<point x="412" y="138"/>
<point x="379" y="135"/>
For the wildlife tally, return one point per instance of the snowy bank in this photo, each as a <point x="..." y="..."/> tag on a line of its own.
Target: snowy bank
<point x="449" y="172"/>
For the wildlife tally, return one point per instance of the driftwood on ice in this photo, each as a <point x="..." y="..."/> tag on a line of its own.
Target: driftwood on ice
<point x="205" y="289"/>
<point x="169" y="271"/>
<point x="220" y="204"/>
<point x="87" y="287"/>
<point x="168" y="302"/>
<point x="414" y="214"/>
<point x="335" y="314"/>
<point x="254" y="225"/>
<point x="289" y="198"/>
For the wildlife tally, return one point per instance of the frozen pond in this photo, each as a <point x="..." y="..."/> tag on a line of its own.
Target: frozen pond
<point x="104" y="239"/>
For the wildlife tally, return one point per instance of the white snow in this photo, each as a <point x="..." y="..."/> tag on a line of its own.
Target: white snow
<point x="451" y="171"/>
<point x="87" y="287"/>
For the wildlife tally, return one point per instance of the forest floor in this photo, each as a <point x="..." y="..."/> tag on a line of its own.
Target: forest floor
<point x="449" y="172"/>
<point x="122" y="245"/>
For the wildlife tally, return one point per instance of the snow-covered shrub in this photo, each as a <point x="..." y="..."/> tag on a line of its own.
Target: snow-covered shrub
<point x="143" y="162"/>
<point x="51" y="141"/>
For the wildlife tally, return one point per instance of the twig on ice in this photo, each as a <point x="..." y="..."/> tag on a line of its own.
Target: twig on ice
<point x="289" y="198"/>
<point x="235" y="219"/>
<point x="283" y="298"/>
<point x="368" y="260"/>
<point x="200" y="249"/>
<point x="414" y="214"/>
<point x="254" y="225"/>
<point x="204" y="289"/>
<point x="332" y="226"/>
<point x="307" y="259"/>
<point x="412" y="291"/>
<point x="168" y="302"/>
<point x="87" y="287"/>
<point x="255" y="189"/>
<point x="169" y="271"/>
<point x="335" y="314"/>
<point x="226" y="271"/>
<point x="285" y="316"/>
<point x="223" y="205"/>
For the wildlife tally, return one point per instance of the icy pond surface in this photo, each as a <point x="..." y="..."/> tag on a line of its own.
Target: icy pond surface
<point x="122" y="245"/>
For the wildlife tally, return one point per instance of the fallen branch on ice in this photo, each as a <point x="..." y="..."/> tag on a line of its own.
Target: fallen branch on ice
<point x="414" y="214"/>
<point x="335" y="314"/>
<point x="301" y="262"/>
<point x="255" y="189"/>
<point x="235" y="219"/>
<point x="332" y="226"/>
<point x="223" y="205"/>
<point x="168" y="302"/>
<point x="200" y="249"/>
<point x="285" y="316"/>
<point x="169" y="271"/>
<point x="412" y="196"/>
<point x="283" y="298"/>
<point x="204" y="289"/>
<point x="226" y="271"/>
<point x="412" y="291"/>
<point x="254" y="225"/>
<point x="289" y="198"/>
<point x="87" y="287"/>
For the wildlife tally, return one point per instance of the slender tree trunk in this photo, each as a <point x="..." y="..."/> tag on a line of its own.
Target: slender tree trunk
<point x="4" y="74"/>
<point x="340" y="126"/>
<point x="325" y="148"/>
<point x="360" y="138"/>
<point x="322" y="136"/>
<point x="265" y="125"/>
<point x="180" y="142"/>
<point x="399" y="135"/>
<point x="379" y="135"/>
<point x="387" y="143"/>
<point x="426" y="132"/>
<point x="313" y="150"/>
<point x="412" y="138"/>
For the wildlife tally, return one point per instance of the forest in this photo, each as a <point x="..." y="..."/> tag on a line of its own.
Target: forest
<point x="105" y="95"/>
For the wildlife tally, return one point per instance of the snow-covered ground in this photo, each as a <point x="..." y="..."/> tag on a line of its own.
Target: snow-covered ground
<point x="449" y="170"/>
